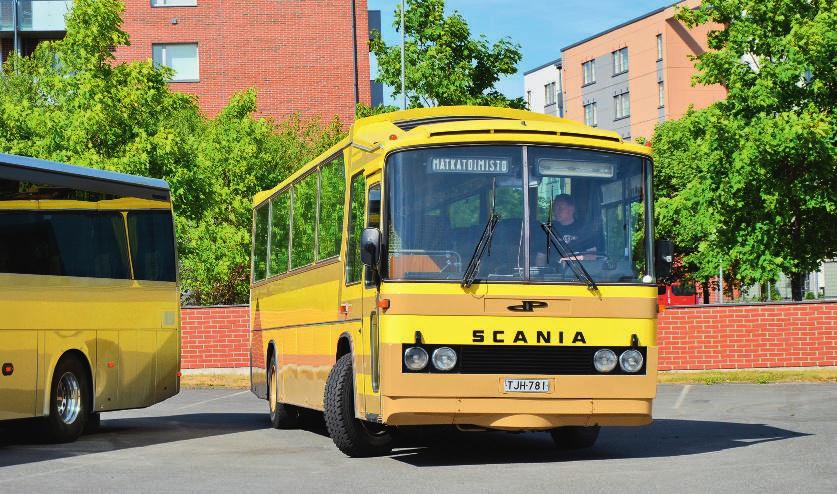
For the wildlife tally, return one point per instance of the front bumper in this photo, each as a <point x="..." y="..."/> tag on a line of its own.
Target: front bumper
<point x="467" y="399"/>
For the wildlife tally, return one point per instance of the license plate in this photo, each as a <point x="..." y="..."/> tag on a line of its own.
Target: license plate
<point x="526" y="385"/>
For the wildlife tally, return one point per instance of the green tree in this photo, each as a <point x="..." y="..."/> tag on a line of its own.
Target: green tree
<point x="70" y="101"/>
<point x="444" y="64"/>
<point x="748" y="184"/>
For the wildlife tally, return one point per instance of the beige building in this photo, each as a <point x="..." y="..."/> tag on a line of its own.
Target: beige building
<point x="637" y="74"/>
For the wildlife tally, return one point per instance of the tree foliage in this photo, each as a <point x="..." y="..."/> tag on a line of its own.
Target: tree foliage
<point x="444" y="64"/>
<point x="749" y="182"/>
<point x="71" y="102"/>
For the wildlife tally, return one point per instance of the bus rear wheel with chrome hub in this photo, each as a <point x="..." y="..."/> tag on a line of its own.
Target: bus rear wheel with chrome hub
<point x="282" y="416"/>
<point x="575" y="437"/>
<point x="70" y="401"/>
<point x="354" y="437"/>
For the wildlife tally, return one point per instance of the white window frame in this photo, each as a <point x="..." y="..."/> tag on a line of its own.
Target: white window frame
<point x="591" y="116"/>
<point x="588" y="76"/>
<point x="620" y="61"/>
<point x="549" y="93"/>
<point x="659" y="47"/>
<point x="164" y="46"/>
<point x="174" y="3"/>
<point x="661" y="94"/>
<point x="622" y="106"/>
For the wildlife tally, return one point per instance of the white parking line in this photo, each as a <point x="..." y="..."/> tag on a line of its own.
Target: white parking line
<point x="682" y="396"/>
<point x="211" y="399"/>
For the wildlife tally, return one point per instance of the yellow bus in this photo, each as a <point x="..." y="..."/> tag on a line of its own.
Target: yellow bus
<point x="89" y="298"/>
<point x="478" y="267"/>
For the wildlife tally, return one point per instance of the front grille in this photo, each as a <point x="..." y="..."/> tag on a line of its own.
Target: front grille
<point x="517" y="359"/>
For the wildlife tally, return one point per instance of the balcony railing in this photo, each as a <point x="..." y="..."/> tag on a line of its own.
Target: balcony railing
<point x="34" y="15"/>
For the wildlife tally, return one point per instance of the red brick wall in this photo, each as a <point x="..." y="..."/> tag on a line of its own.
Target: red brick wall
<point x="690" y="338"/>
<point x="297" y="53"/>
<point x="748" y="336"/>
<point x="214" y="337"/>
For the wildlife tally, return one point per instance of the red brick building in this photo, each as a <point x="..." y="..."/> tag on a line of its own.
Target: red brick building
<point x="306" y="56"/>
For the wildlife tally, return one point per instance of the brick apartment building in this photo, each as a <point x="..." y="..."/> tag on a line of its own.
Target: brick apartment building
<point x="630" y="77"/>
<point x="306" y="56"/>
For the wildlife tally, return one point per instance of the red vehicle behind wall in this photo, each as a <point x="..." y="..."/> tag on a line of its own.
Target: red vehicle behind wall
<point x="677" y="293"/>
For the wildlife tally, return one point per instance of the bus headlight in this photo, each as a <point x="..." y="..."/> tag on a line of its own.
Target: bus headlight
<point x="604" y="360"/>
<point x="631" y="361"/>
<point x="444" y="358"/>
<point x="415" y="358"/>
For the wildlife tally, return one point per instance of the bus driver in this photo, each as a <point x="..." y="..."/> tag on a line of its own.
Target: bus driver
<point x="579" y="237"/>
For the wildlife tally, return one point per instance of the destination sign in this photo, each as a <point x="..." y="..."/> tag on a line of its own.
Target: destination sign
<point x="469" y="165"/>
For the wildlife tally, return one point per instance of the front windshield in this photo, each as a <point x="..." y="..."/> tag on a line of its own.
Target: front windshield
<point x="440" y="199"/>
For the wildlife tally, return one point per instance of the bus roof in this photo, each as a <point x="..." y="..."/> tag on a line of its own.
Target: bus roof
<point x="405" y="128"/>
<point x="14" y="167"/>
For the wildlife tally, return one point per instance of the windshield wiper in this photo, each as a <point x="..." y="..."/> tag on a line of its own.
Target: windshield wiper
<point x="485" y="242"/>
<point x="566" y="252"/>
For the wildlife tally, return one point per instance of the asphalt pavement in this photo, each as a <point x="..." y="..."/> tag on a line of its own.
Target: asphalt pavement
<point x="723" y="438"/>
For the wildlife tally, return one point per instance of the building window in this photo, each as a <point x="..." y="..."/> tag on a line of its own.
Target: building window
<point x="181" y="57"/>
<point x="589" y="72"/>
<point x="659" y="47"/>
<point x="590" y="115"/>
<point x="174" y="3"/>
<point x="529" y="99"/>
<point x="622" y="106"/>
<point x="620" y="61"/>
<point x="559" y="88"/>
<point x="549" y="94"/>
<point x="661" y="98"/>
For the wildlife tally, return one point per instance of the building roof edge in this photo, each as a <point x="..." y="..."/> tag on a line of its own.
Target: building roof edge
<point x="626" y="23"/>
<point x="557" y="61"/>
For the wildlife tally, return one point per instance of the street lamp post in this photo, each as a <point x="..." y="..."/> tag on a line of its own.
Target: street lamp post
<point x="403" y="38"/>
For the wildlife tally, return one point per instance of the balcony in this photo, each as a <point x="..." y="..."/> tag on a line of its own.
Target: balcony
<point x="34" y="15"/>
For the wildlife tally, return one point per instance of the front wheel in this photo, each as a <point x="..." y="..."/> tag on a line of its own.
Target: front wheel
<point x="70" y="399"/>
<point x="355" y="438"/>
<point x="575" y="437"/>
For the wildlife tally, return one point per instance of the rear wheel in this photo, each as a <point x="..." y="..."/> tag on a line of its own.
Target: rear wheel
<point x="575" y="437"/>
<point x="70" y="400"/>
<point x="356" y="438"/>
<point x="282" y="416"/>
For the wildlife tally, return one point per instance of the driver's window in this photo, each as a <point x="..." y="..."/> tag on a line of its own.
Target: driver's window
<point x="373" y="220"/>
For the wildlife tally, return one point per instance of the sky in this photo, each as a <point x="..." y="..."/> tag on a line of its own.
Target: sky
<point x="540" y="27"/>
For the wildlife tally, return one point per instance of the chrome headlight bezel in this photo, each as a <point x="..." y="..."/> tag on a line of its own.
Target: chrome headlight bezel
<point x="605" y="360"/>
<point x="417" y="365"/>
<point x="631" y="361"/>
<point x="444" y="358"/>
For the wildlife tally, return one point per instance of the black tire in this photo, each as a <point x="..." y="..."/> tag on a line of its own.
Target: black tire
<point x="68" y="416"/>
<point x="355" y="438"/>
<point x="575" y="437"/>
<point x="282" y="416"/>
<point x="94" y="421"/>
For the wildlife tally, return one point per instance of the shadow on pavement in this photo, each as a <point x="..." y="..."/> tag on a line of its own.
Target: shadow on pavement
<point x="17" y="447"/>
<point x="663" y="438"/>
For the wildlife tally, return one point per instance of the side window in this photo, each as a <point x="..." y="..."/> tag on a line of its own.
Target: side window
<point x="353" y="265"/>
<point x="261" y="217"/>
<point x="82" y="244"/>
<point x="373" y="218"/>
<point x="304" y="221"/>
<point x="280" y="232"/>
<point x="151" y="234"/>
<point x="332" y="195"/>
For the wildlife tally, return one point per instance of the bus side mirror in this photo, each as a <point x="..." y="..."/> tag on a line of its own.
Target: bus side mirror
<point x="370" y="247"/>
<point x="664" y="250"/>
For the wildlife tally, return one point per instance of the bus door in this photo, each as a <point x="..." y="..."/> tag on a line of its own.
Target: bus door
<point x="371" y="333"/>
<point x="358" y="304"/>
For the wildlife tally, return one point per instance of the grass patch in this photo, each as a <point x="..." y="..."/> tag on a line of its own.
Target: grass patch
<point x="749" y="376"/>
<point x="223" y="381"/>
